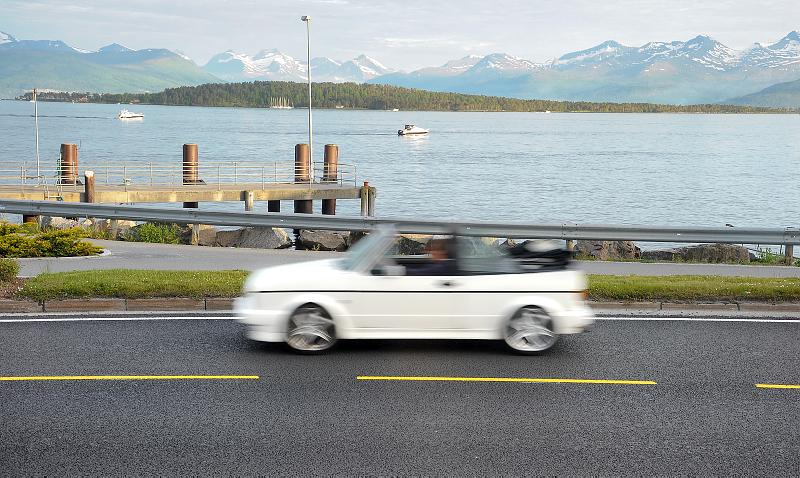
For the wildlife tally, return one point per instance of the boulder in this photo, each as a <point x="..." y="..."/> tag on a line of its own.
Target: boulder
<point x="123" y="226"/>
<point x="207" y="236"/>
<point x="701" y="253"/>
<point x="56" y="222"/>
<point x="252" y="237"/>
<point x="607" y="250"/>
<point x="311" y="240"/>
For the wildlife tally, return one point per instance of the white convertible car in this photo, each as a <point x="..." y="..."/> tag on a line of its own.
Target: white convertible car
<point x="463" y="288"/>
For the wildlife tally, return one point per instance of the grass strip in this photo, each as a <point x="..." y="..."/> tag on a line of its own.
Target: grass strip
<point x="694" y="288"/>
<point x="133" y="284"/>
<point x="136" y="284"/>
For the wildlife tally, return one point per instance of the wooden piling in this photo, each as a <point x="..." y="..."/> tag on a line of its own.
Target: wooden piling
<point x="365" y="199"/>
<point x="789" y="252"/>
<point x="302" y="175"/>
<point x="88" y="186"/>
<point x="371" y="202"/>
<point x="249" y="200"/>
<point x="191" y="166"/>
<point x="68" y="167"/>
<point x="330" y="174"/>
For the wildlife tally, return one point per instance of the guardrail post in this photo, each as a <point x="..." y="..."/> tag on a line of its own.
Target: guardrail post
<point x="68" y="169"/>
<point x="249" y="200"/>
<point x="330" y="173"/>
<point x="789" y="252"/>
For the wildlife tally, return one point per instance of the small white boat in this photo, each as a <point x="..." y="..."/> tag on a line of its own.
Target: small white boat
<point x="125" y="114"/>
<point x="411" y="129"/>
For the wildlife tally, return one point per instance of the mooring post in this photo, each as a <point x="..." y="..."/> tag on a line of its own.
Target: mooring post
<point x="789" y="251"/>
<point x="249" y="200"/>
<point x="88" y="186"/>
<point x="302" y="176"/>
<point x="365" y="199"/>
<point x="191" y="166"/>
<point x="68" y="169"/>
<point x="371" y="202"/>
<point x="330" y="174"/>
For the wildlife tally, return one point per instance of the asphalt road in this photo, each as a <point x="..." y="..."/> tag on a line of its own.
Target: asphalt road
<point x="310" y="415"/>
<point x="126" y="255"/>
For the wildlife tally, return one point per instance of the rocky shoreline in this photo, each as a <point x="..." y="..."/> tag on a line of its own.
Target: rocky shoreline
<point x="410" y="244"/>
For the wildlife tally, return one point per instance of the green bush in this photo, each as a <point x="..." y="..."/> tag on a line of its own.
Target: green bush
<point x="19" y="241"/>
<point x="9" y="268"/>
<point x="154" y="232"/>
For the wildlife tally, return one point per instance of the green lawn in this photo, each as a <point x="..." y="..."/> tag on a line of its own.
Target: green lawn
<point x="132" y="284"/>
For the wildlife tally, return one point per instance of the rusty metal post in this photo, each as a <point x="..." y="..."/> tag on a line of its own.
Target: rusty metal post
<point x="249" y="200"/>
<point x="302" y="175"/>
<point x="274" y="206"/>
<point x="191" y="165"/>
<point x="88" y="186"/>
<point x="68" y="169"/>
<point x="789" y="252"/>
<point x="330" y="174"/>
<point x="365" y="199"/>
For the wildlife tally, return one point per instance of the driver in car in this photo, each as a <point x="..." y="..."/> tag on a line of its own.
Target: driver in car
<point x="441" y="262"/>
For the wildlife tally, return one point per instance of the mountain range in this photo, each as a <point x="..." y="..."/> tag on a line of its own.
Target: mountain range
<point x="699" y="70"/>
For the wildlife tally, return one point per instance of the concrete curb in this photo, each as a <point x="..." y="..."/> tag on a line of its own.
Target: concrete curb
<point x="177" y="304"/>
<point x="219" y="304"/>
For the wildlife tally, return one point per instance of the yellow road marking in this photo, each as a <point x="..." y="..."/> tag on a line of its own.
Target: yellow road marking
<point x="775" y="385"/>
<point x="508" y="379"/>
<point x="129" y="377"/>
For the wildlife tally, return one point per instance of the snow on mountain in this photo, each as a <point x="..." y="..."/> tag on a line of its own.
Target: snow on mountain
<point x="114" y="48"/>
<point x="503" y="62"/>
<point x="783" y="53"/>
<point x="600" y="53"/>
<point x="274" y="65"/>
<point x="708" y="52"/>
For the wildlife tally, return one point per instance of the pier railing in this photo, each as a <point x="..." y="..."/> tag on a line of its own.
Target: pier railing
<point x="144" y="174"/>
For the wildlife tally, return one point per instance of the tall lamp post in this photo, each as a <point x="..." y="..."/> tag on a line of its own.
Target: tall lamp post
<point x="307" y="20"/>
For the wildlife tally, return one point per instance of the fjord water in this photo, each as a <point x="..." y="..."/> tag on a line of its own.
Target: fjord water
<point x="659" y="169"/>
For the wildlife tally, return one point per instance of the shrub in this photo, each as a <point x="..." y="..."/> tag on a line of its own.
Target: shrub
<point x="9" y="268"/>
<point x="154" y="232"/>
<point x="56" y="243"/>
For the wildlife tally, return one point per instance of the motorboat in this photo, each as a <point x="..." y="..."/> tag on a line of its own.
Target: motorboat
<point x="125" y="114"/>
<point x="411" y="129"/>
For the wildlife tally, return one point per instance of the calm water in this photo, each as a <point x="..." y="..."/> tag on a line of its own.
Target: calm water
<point x="615" y="168"/>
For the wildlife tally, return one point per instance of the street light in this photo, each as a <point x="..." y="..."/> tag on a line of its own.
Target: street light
<point x="307" y="20"/>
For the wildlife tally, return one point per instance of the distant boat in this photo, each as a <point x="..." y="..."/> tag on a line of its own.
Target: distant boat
<point x="125" y="114"/>
<point x="411" y="129"/>
<point x="280" y="104"/>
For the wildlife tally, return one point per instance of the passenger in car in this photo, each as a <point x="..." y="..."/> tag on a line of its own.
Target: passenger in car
<point x="441" y="261"/>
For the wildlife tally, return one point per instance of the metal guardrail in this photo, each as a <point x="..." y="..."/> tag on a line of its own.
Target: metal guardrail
<point x="566" y="231"/>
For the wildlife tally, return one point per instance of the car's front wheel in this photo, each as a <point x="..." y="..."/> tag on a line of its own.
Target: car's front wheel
<point x="311" y="329"/>
<point x="530" y="331"/>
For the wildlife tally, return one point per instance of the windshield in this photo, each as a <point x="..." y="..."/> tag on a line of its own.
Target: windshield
<point x="366" y="250"/>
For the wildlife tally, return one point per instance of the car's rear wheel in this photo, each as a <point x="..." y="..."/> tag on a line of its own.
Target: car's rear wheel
<point x="311" y="330"/>
<point x="530" y="331"/>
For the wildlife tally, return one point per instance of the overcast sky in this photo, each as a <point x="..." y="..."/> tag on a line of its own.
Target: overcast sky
<point x="404" y="34"/>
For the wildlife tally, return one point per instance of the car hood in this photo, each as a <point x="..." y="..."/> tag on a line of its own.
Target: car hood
<point x="302" y="275"/>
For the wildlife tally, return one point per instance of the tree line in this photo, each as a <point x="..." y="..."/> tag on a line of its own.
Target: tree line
<point x="263" y="94"/>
